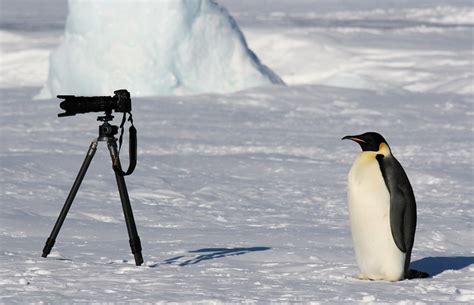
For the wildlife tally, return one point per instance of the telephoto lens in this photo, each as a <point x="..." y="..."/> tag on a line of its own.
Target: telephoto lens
<point x="72" y="105"/>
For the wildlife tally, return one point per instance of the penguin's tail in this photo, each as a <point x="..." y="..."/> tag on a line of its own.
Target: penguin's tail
<point x="415" y="274"/>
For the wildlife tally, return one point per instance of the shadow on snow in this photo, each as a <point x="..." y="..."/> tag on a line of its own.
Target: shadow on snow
<point x="210" y="254"/>
<point x="437" y="265"/>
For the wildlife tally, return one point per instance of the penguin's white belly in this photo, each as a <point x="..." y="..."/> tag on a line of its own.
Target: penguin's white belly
<point x="377" y="255"/>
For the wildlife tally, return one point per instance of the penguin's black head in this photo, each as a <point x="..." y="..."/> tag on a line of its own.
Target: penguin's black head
<point x="369" y="141"/>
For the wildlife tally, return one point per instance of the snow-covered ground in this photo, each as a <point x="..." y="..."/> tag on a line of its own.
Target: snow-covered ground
<point x="242" y="197"/>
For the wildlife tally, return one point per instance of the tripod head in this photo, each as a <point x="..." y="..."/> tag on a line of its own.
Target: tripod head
<point x="107" y="117"/>
<point x="107" y="130"/>
<point x="107" y="133"/>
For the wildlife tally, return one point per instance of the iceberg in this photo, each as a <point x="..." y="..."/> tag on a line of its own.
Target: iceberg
<point x="166" y="47"/>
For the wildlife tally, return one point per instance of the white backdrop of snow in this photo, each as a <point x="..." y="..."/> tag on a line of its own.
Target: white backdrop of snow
<point x="152" y="48"/>
<point x="258" y="169"/>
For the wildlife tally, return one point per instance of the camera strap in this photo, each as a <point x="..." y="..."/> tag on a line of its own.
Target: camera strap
<point x="132" y="144"/>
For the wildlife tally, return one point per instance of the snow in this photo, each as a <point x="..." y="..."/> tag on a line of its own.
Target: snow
<point x="153" y="48"/>
<point x="241" y="197"/>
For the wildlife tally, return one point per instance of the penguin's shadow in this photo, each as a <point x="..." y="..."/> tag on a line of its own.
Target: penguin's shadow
<point x="209" y="254"/>
<point x="439" y="264"/>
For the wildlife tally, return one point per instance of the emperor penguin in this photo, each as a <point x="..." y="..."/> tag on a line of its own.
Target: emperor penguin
<point x="382" y="212"/>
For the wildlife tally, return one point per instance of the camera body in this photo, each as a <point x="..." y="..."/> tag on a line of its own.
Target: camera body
<point x="72" y="105"/>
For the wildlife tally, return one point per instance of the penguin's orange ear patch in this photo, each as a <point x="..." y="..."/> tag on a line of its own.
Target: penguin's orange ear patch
<point x="383" y="149"/>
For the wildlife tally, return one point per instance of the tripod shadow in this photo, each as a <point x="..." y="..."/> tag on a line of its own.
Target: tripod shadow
<point x="210" y="254"/>
<point x="437" y="265"/>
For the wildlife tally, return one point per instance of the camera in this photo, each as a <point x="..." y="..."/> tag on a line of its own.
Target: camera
<point x="72" y="105"/>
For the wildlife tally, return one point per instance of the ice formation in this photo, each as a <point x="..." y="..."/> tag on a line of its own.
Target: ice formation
<point x="152" y="48"/>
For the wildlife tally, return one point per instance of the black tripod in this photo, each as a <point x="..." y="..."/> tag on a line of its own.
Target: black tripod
<point x="106" y="134"/>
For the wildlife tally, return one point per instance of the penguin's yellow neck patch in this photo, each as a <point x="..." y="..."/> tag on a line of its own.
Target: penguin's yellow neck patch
<point x="366" y="156"/>
<point x="384" y="149"/>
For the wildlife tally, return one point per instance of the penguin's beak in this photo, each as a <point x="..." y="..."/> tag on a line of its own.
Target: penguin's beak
<point x="353" y="138"/>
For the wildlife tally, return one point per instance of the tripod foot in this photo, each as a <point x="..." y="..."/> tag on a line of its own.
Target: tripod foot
<point x="136" y="247"/>
<point x="138" y="259"/>
<point x="48" y="246"/>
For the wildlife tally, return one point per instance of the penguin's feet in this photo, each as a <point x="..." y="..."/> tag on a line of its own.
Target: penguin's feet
<point x="415" y="274"/>
<point x="363" y="277"/>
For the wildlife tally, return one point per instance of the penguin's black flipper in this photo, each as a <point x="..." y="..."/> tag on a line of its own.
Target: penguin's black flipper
<point x="402" y="204"/>
<point x="397" y="220"/>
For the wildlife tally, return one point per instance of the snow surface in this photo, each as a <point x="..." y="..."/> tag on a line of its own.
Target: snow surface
<point x="164" y="47"/>
<point x="242" y="197"/>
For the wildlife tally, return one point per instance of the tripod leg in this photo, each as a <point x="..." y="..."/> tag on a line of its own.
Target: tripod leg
<point x="75" y="187"/>
<point x="135" y="244"/>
